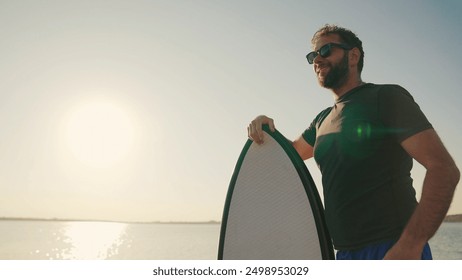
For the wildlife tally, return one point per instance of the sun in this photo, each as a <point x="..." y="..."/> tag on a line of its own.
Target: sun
<point x="100" y="133"/>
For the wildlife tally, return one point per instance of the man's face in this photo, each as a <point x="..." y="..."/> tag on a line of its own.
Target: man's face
<point x="331" y="71"/>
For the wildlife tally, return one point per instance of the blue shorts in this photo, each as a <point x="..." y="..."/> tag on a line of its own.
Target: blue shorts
<point x="376" y="252"/>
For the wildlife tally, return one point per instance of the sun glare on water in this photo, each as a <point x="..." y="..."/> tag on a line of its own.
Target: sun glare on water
<point x="93" y="240"/>
<point x="99" y="134"/>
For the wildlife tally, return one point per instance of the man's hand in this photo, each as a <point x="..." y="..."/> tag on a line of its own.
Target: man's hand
<point x="255" y="128"/>
<point x="401" y="252"/>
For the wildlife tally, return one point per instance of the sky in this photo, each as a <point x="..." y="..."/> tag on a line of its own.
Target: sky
<point x="137" y="110"/>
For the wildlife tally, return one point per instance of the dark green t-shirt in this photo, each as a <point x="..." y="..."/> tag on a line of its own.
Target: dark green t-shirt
<point x="368" y="192"/>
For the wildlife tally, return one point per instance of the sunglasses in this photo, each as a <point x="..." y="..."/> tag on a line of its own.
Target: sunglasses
<point x="325" y="51"/>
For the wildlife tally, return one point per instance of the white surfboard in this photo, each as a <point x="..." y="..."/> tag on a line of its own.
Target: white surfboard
<point x="273" y="209"/>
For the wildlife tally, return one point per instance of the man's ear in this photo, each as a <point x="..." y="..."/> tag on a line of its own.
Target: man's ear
<point x="355" y="54"/>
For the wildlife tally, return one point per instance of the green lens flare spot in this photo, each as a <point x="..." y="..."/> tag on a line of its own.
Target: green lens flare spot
<point x="364" y="131"/>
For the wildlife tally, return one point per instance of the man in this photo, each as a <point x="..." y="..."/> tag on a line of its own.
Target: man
<point x="364" y="145"/>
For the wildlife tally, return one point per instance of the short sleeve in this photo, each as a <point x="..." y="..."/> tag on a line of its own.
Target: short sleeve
<point x="400" y="114"/>
<point x="310" y="133"/>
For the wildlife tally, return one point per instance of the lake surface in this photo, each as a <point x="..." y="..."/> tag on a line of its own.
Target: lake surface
<point x="50" y="240"/>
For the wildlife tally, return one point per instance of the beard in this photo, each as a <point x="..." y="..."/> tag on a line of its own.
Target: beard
<point x="337" y="76"/>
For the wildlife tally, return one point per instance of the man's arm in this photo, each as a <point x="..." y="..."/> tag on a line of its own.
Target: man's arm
<point x="304" y="149"/>
<point x="438" y="189"/>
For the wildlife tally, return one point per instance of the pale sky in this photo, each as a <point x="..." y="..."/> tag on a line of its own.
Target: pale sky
<point x="137" y="110"/>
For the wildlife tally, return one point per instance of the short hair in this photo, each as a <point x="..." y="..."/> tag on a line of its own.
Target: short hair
<point x="347" y="37"/>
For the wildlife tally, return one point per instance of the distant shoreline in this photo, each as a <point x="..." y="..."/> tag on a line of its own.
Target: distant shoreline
<point x="105" y="221"/>
<point x="457" y="218"/>
<point x="453" y="218"/>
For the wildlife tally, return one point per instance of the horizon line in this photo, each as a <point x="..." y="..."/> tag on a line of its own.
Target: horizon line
<point x="106" y="221"/>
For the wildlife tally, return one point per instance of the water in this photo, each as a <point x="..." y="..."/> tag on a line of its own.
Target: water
<point x="49" y="240"/>
<point x="447" y="243"/>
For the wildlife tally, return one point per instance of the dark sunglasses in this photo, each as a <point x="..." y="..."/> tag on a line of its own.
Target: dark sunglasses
<point x="325" y="51"/>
